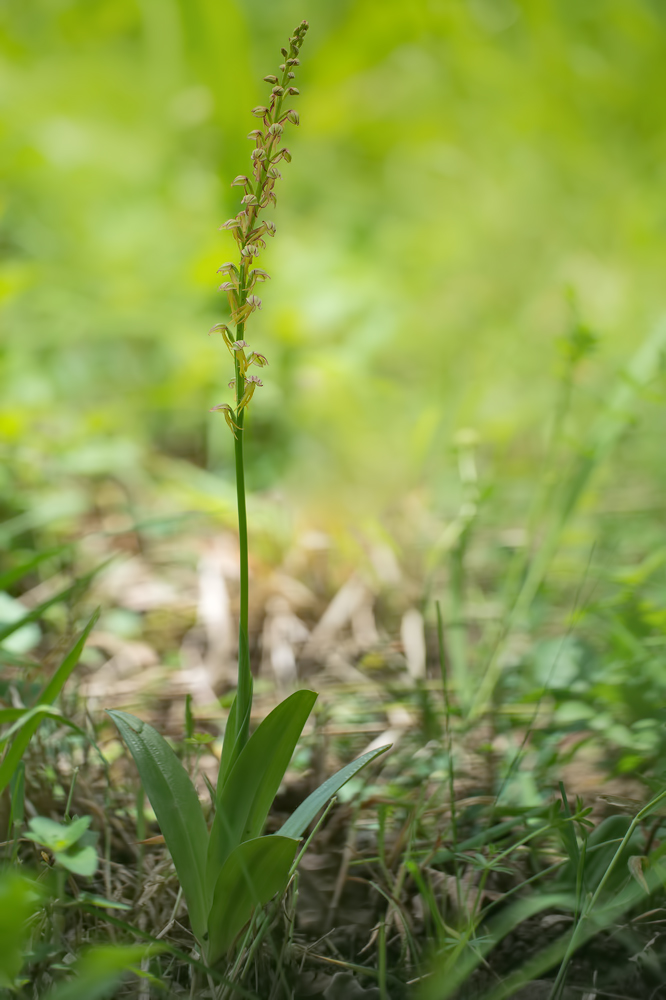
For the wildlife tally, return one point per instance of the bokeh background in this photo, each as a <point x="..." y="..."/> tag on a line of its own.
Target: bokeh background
<point x="471" y="181"/>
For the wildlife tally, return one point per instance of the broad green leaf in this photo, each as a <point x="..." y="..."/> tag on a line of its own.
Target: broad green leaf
<point x="244" y="801"/>
<point x="306" y="812"/>
<point x="252" y="874"/>
<point x="15" y="752"/>
<point x="57" y="836"/>
<point x="176" y="803"/>
<point x="99" y="971"/>
<point x="79" y="860"/>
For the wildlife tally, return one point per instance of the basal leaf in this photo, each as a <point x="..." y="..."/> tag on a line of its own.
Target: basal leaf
<point x="178" y="810"/>
<point x="306" y="812"/>
<point x="252" y="874"/>
<point x="244" y="801"/>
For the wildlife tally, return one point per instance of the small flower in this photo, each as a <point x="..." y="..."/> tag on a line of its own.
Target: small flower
<point x="275" y="129"/>
<point x="229" y="415"/>
<point x="254" y="379"/>
<point x="254" y="301"/>
<point x="241" y="180"/>
<point x="238" y="345"/>
<point x="256" y="134"/>
<point x="258" y="274"/>
<point x="221" y="328"/>
<point x="259" y="111"/>
<point x="257" y="359"/>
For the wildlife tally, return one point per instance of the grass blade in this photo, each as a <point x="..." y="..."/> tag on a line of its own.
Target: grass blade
<point x="47" y="697"/>
<point x="10" y="576"/>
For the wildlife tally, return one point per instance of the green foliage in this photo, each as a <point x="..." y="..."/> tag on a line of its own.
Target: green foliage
<point x="459" y="166"/>
<point x="99" y="971"/>
<point x="224" y="876"/>
<point x="70" y="844"/>
<point x="28" y="721"/>
<point x="19" y="898"/>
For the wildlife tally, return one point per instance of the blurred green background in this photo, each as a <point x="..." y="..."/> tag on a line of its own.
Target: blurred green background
<point x="464" y="170"/>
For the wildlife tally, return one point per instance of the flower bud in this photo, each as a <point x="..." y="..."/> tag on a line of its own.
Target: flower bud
<point x="284" y="52"/>
<point x="259" y="111"/>
<point x="270" y="228"/>
<point x="293" y="90"/>
<point x="240" y="181"/>
<point x="228" y="286"/>
<point x="249" y="199"/>
<point x="231" y="224"/>
<point x="258" y="154"/>
<point x="291" y="76"/>
<point x="238" y="345"/>
<point x="271" y="79"/>
<point x="293" y="117"/>
<point x="255" y="134"/>
<point x="277" y="91"/>
<point x="275" y="129"/>
<point x="293" y="62"/>
<point x="274" y="173"/>
<point x="220" y="328"/>
<point x="250" y="250"/>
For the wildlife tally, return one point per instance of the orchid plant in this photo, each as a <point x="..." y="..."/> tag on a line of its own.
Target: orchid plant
<point x="228" y="871"/>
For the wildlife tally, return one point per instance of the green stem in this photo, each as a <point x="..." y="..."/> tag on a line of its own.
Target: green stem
<point x="244" y="694"/>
